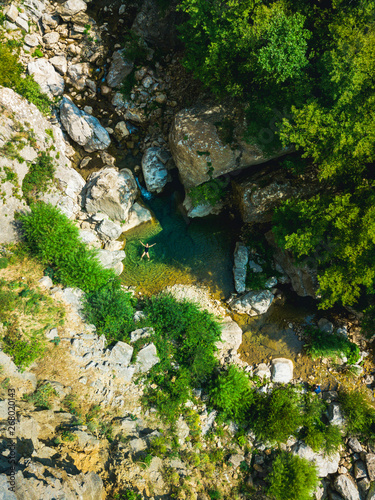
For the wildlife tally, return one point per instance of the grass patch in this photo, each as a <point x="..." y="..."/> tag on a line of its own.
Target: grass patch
<point x="54" y="240"/>
<point x="321" y="344"/>
<point x="42" y="396"/>
<point x="359" y="414"/>
<point x="209" y="193"/>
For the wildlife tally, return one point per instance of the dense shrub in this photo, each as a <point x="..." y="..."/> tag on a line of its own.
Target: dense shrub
<point x="276" y="416"/>
<point x="325" y="345"/>
<point x="292" y="478"/>
<point x="359" y="414"/>
<point x="111" y="310"/>
<point x="12" y="76"/>
<point x="38" y="177"/>
<point x="232" y="394"/>
<point x="185" y="338"/>
<point x="54" y="239"/>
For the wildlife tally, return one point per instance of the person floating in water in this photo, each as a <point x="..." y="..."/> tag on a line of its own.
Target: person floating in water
<point x="147" y="246"/>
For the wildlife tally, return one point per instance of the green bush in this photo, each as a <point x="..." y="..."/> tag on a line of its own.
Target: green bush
<point x="276" y="416"/>
<point x="42" y="396"/>
<point x="185" y="338"/>
<point x="331" y="346"/>
<point x="316" y="433"/>
<point x="232" y="394"/>
<point x="12" y="76"/>
<point x="359" y="414"/>
<point x="23" y="351"/>
<point x="54" y="239"/>
<point x="111" y="310"/>
<point x="210" y="192"/>
<point x="292" y="478"/>
<point x="38" y="177"/>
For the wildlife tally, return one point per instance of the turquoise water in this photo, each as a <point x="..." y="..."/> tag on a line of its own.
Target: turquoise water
<point x="186" y="251"/>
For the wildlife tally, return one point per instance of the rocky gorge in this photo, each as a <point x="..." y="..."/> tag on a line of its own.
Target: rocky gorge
<point x="111" y="148"/>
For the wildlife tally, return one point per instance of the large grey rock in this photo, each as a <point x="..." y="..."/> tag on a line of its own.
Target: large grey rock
<point x="346" y="487"/>
<point x="60" y="64"/>
<point x="325" y="464"/>
<point x="138" y="214"/>
<point x="70" y="8"/>
<point x="141" y="333"/>
<point x="5" y="493"/>
<point x="83" y="128"/>
<point x="78" y="74"/>
<point x="111" y="192"/>
<point x="241" y="257"/>
<point x="231" y="337"/>
<point x="32" y="40"/>
<point x="110" y="260"/>
<point x="262" y="371"/>
<point x="11" y="13"/>
<point x="370" y="463"/>
<point x="360" y="470"/>
<point x="146" y="358"/>
<point x="109" y="229"/>
<point x="282" y="370"/>
<point x="253" y="303"/>
<point x="200" y="149"/>
<point x="121" y="353"/>
<point x="120" y="68"/>
<point x="22" y="23"/>
<point x="355" y="445"/>
<point x="50" y="39"/>
<point x="154" y="171"/>
<point x="335" y="415"/>
<point x="90" y="238"/>
<point x="201" y="209"/>
<point x="45" y="75"/>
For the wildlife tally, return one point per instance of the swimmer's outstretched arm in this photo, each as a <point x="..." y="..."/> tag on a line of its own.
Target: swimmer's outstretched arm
<point x="142" y="243"/>
<point x="152" y="245"/>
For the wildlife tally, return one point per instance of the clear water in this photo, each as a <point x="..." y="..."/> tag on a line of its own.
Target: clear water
<point x="187" y="251"/>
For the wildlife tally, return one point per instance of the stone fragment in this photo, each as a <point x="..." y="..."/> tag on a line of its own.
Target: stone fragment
<point x="109" y="229"/>
<point x="50" y="39"/>
<point x="335" y="416"/>
<point x="154" y="171"/>
<point x="121" y="131"/>
<point x="146" y="358"/>
<point x="70" y="8"/>
<point x="121" y="354"/>
<point x="325" y="325"/>
<point x="83" y="128"/>
<point x="253" y="303"/>
<point x="46" y="282"/>
<point x="236" y="460"/>
<point x="141" y="333"/>
<point x="120" y="68"/>
<point x="111" y="260"/>
<point x="355" y="445"/>
<point x="370" y="463"/>
<point x="22" y="23"/>
<point x="346" y="487"/>
<point x="281" y="370"/>
<point x="12" y="13"/>
<point x="360" y="470"/>
<point x="32" y="40"/>
<point x="262" y="371"/>
<point x="45" y="75"/>
<point x="111" y="192"/>
<point x="90" y="238"/>
<point x="241" y="257"/>
<point x="182" y="431"/>
<point x="78" y="73"/>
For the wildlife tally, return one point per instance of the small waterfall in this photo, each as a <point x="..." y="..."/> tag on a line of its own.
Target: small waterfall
<point x="145" y="194"/>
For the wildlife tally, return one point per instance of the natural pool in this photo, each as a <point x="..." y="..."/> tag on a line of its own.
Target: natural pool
<point x="187" y="251"/>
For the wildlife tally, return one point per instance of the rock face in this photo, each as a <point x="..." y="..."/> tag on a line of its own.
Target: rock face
<point x="137" y="215"/>
<point x="260" y="192"/>
<point x="325" y="464"/>
<point x="201" y="150"/>
<point x="241" y="258"/>
<point x="154" y="171"/>
<point x="303" y="278"/>
<point x="16" y="111"/>
<point x="201" y="209"/>
<point x="45" y="75"/>
<point x="253" y="303"/>
<point x="111" y="192"/>
<point x="82" y="127"/>
<point x="120" y="68"/>
<point x="282" y="370"/>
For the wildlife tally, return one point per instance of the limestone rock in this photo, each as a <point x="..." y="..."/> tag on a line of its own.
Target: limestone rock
<point x="253" y="303"/>
<point x="120" y="68"/>
<point x="346" y="487"/>
<point x="182" y="431"/>
<point x="282" y="370"/>
<point x="45" y="75"/>
<point x="22" y="23"/>
<point x="262" y="371"/>
<point x="46" y="282"/>
<point x="70" y="8"/>
<point x="146" y="358"/>
<point x="82" y="127"/>
<point x="201" y="209"/>
<point x="236" y="460"/>
<point x="360" y="470"/>
<point x="111" y="192"/>
<point x="111" y="260"/>
<point x="121" y="131"/>
<point x="154" y="171"/>
<point x="32" y="40"/>
<point x="109" y="229"/>
<point x="60" y="64"/>
<point x="121" y="353"/>
<point x="201" y="151"/>
<point x="141" y="333"/>
<point x="90" y="238"/>
<point x="50" y="39"/>
<point x="231" y="337"/>
<point x="325" y="464"/>
<point x="78" y="74"/>
<point x="355" y="445"/>
<point x="241" y="257"/>
<point x="370" y="463"/>
<point x="137" y="215"/>
<point x="335" y="416"/>
<point x="12" y="13"/>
